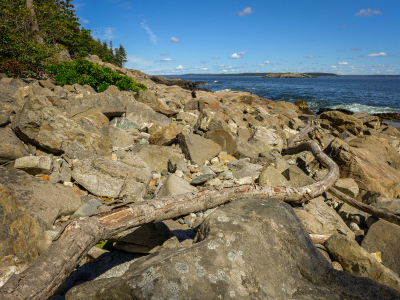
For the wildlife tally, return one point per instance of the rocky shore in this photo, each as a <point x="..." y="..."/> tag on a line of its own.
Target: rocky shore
<point x="69" y="152"/>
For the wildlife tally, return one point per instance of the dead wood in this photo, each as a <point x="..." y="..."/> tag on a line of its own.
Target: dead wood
<point x="376" y="212"/>
<point x="47" y="273"/>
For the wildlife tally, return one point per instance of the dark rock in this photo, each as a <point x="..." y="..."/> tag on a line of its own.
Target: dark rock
<point x="250" y="249"/>
<point x="174" y="81"/>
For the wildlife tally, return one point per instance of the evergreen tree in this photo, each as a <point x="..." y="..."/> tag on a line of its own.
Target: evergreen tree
<point x="120" y="56"/>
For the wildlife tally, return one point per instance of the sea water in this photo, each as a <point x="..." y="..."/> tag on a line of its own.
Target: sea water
<point x="369" y="94"/>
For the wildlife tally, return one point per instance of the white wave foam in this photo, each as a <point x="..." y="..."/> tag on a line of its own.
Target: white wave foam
<point x="225" y="90"/>
<point x="356" y="107"/>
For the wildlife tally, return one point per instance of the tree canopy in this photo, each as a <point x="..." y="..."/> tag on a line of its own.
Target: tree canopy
<point x="32" y="32"/>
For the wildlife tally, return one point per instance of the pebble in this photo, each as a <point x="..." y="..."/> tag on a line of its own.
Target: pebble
<point x="179" y="173"/>
<point x="225" y="175"/>
<point x="215" y="160"/>
<point x="201" y="179"/>
<point x="245" y="180"/>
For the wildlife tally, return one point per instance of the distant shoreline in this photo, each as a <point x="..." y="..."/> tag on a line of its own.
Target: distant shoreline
<point x="263" y="74"/>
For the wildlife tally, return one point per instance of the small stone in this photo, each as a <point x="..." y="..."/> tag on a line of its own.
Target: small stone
<point x="337" y="266"/>
<point x="219" y="168"/>
<point x="213" y="182"/>
<point x="179" y="173"/>
<point x="378" y="256"/>
<point x="245" y="180"/>
<point x="206" y="170"/>
<point x="226" y="175"/>
<point x="201" y="179"/>
<point x="215" y="160"/>
<point x="354" y="227"/>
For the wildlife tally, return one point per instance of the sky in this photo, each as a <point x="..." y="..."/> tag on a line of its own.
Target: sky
<point x="348" y="37"/>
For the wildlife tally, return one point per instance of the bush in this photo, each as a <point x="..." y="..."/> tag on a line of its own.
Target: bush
<point x="83" y="72"/>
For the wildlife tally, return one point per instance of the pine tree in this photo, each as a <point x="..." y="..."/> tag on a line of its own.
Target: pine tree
<point x="120" y="56"/>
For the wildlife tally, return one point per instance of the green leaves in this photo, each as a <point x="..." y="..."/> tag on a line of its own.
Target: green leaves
<point x="83" y="72"/>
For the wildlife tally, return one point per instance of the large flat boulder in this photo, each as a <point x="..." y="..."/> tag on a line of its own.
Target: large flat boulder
<point x="44" y="124"/>
<point x="156" y="157"/>
<point x="250" y="249"/>
<point x="319" y="218"/>
<point x="126" y="179"/>
<point x="43" y="200"/>
<point x="369" y="172"/>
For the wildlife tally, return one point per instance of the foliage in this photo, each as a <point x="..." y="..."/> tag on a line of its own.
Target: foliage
<point x="22" y="54"/>
<point x="83" y="72"/>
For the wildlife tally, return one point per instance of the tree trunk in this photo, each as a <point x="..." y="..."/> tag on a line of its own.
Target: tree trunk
<point x="33" y="22"/>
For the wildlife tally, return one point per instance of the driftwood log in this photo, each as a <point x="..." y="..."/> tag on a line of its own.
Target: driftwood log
<point x="42" y="278"/>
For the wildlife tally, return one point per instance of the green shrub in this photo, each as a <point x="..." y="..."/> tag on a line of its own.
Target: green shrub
<point x="83" y="72"/>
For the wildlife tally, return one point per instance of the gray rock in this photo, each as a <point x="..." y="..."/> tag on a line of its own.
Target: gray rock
<point x="4" y="118"/>
<point x="144" y="116"/>
<point x="225" y="176"/>
<point x="205" y="170"/>
<point x="157" y="156"/>
<point x="357" y="261"/>
<point x="318" y="218"/>
<point x="45" y="125"/>
<point x="249" y="249"/>
<point x="271" y="176"/>
<point x="115" y="179"/>
<point x="347" y="186"/>
<point x="201" y="179"/>
<point x="43" y="200"/>
<point x="198" y="149"/>
<point x="174" y="185"/>
<point x="297" y="178"/>
<point x="11" y="147"/>
<point x="88" y="208"/>
<point x="123" y="123"/>
<point x="34" y="164"/>
<point x="118" y="137"/>
<point x="247" y="170"/>
<point x="384" y="237"/>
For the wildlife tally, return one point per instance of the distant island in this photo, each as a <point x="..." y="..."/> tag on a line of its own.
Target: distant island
<point x="288" y="75"/>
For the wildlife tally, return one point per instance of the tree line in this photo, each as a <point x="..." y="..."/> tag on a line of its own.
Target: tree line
<point x="34" y="32"/>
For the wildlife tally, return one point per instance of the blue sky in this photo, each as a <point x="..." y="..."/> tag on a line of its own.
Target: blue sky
<point x="226" y="36"/>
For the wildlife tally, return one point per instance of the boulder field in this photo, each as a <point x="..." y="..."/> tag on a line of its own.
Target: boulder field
<point x="68" y="152"/>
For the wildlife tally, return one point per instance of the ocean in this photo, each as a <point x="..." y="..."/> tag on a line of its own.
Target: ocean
<point x="369" y="94"/>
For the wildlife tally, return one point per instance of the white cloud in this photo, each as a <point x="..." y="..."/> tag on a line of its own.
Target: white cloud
<point x="368" y="13"/>
<point x="104" y="33"/>
<point x="153" y="37"/>
<point x="343" y="63"/>
<point x="215" y="58"/>
<point x="310" y="56"/>
<point x="333" y="67"/>
<point x="84" y="21"/>
<point x="164" y="54"/>
<point x="375" y="54"/>
<point x="389" y="70"/>
<point x="267" y="62"/>
<point x="245" y="11"/>
<point x="137" y="61"/>
<point x="204" y="69"/>
<point x="180" y="67"/>
<point x="164" y="60"/>
<point x="380" y="66"/>
<point x="237" y="55"/>
<point x="174" y="40"/>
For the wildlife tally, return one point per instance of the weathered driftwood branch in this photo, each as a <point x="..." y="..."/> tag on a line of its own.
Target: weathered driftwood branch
<point x="379" y="213"/>
<point x="47" y="273"/>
